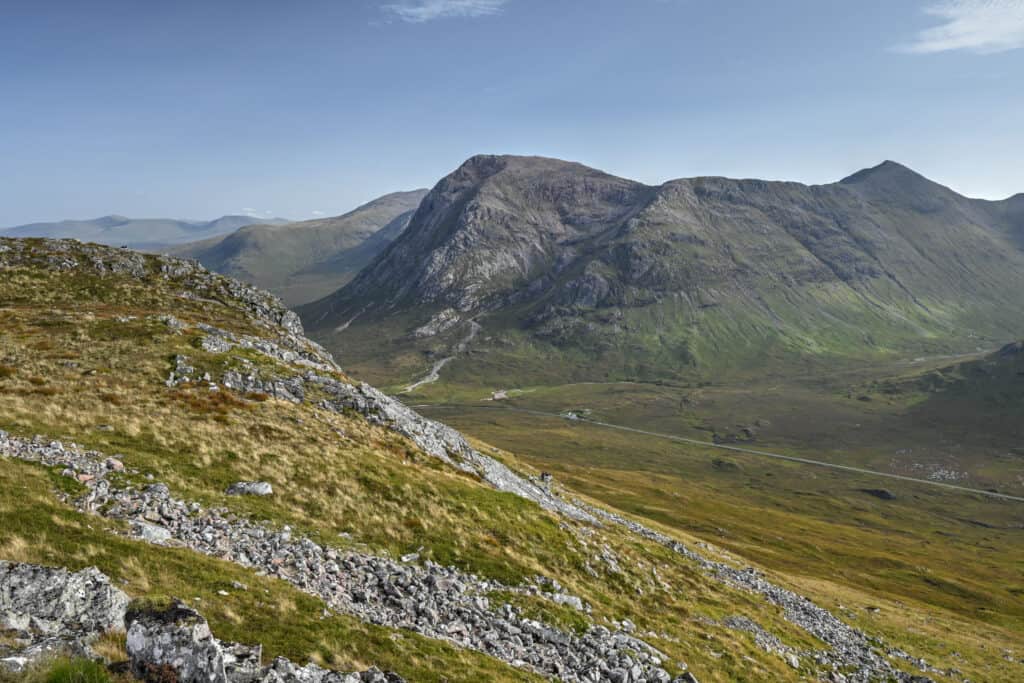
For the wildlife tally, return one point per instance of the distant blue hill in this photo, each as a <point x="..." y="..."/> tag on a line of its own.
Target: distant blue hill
<point x="138" y="233"/>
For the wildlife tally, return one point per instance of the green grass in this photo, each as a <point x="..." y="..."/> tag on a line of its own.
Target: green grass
<point x="62" y="670"/>
<point x="77" y="671"/>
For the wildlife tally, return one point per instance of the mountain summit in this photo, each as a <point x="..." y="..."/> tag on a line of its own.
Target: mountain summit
<point x="696" y="272"/>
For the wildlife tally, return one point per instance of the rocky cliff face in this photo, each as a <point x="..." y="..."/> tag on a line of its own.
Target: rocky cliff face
<point x="580" y="258"/>
<point x="494" y="224"/>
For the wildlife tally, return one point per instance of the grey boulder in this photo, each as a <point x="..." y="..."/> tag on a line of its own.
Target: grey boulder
<point x="250" y="488"/>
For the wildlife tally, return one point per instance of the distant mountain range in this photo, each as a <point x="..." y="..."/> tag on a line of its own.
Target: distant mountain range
<point x="307" y="260"/>
<point x="138" y="233"/>
<point x="566" y="267"/>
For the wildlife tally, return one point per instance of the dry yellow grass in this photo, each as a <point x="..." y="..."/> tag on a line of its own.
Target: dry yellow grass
<point x="111" y="647"/>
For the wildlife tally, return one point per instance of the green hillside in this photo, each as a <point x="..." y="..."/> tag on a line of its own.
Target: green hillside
<point x="303" y="261"/>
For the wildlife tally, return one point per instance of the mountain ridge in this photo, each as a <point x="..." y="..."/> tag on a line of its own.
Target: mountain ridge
<point x="302" y="261"/>
<point x="884" y="258"/>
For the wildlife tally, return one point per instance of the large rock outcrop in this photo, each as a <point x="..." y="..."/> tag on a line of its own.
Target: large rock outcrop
<point x="52" y="609"/>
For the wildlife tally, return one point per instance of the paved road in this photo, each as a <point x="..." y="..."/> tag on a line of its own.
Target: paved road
<point x="740" y="449"/>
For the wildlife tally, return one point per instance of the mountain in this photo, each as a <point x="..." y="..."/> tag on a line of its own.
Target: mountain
<point x="169" y="436"/>
<point x="307" y="260"/>
<point x="138" y="233"/>
<point x="555" y="261"/>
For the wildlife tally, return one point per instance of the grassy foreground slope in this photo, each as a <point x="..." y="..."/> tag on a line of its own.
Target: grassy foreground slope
<point x="84" y="353"/>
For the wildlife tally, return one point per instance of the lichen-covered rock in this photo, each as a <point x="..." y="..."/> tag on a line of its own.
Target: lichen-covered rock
<point x="28" y="650"/>
<point x="53" y="601"/>
<point x="54" y="611"/>
<point x="175" y="636"/>
<point x="151" y="533"/>
<point x="291" y="390"/>
<point x="242" y="662"/>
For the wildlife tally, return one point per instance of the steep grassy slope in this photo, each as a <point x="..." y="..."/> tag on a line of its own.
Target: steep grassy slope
<point x="138" y="233"/>
<point x="86" y="348"/>
<point x="304" y="261"/>
<point x="602" y="278"/>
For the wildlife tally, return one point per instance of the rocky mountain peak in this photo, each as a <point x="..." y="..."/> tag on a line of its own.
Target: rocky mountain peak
<point x="897" y="184"/>
<point x="495" y="223"/>
<point x="578" y="254"/>
<point x="887" y="170"/>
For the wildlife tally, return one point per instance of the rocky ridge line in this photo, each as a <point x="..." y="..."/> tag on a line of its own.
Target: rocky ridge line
<point x="436" y="601"/>
<point x="851" y="647"/>
<point x="434" y="438"/>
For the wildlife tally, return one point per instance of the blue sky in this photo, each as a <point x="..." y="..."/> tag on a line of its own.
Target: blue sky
<point x="196" y="109"/>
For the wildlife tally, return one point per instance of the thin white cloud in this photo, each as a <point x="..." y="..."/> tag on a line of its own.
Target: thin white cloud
<point x="982" y="26"/>
<point x="317" y="213"/>
<point x="419" y="11"/>
<point x="249" y="211"/>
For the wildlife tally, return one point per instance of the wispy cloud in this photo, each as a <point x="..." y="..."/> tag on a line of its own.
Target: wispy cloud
<point x="419" y="11"/>
<point x="982" y="26"/>
<point x="317" y="213"/>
